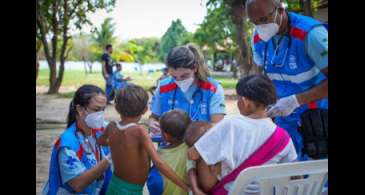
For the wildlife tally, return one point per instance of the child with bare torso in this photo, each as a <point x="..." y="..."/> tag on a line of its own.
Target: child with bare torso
<point x="131" y="147"/>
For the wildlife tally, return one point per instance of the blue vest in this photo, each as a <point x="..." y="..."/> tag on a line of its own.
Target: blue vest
<point x="172" y="97"/>
<point x="292" y="71"/>
<point x="68" y="139"/>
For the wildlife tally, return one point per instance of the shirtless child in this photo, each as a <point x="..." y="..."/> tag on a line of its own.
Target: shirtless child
<point x="131" y="147"/>
<point x="203" y="179"/>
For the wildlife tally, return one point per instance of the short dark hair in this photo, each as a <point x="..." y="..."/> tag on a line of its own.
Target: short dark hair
<point x="194" y="131"/>
<point x="258" y="88"/>
<point x="118" y="65"/>
<point x="131" y="101"/>
<point x="174" y="123"/>
<point x="108" y="46"/>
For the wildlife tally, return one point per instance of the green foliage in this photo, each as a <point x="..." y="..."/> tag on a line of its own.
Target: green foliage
<point x="105" y="34"/>
<point x="54" y="19"/>
<point x="216" y="31"/>
<point x="147" y="50"/>
<point x="175" y="35"/>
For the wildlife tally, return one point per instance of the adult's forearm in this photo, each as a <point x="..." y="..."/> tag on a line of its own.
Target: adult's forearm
<point x="81" y="182"/>
<point x="316" y="93"/>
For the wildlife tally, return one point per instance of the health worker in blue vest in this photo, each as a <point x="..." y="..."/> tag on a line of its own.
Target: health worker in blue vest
<point x="189" y="87"/>
<point x="292" y="51"/>
<point x="78" y="165"/>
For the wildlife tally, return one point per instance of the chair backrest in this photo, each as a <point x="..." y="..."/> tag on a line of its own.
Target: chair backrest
<point x="276" y="178"/>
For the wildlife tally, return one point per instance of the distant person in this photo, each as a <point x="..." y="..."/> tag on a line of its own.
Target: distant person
<point x="173" y="125"/>
<point x="119" y="82"/>
<point x="131" y="147"/>
<point x="107" y="70"/>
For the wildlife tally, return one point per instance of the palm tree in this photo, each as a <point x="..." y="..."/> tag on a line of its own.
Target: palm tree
<point x="105" y="35"/>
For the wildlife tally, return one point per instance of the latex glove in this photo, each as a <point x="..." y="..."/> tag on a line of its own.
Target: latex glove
<point x="109" y="158"/>
<point x="284" y="106"/>
<point x="154" y="127"/>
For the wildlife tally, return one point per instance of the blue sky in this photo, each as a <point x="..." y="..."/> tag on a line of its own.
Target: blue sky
<point x="151" y="18"/>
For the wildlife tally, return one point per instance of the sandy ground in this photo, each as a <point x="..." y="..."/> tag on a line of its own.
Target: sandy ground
<point x="51" y="112"/>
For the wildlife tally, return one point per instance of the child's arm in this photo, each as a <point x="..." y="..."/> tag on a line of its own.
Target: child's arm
<point x="158" y="162"/>
<point x="194" y="182"/>
<point x="103" y="139"/>
<point x="193" y="154"/>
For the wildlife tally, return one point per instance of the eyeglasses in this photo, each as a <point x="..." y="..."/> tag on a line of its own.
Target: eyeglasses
<point x="264" y="19"/>
<point x="92" y="110"/>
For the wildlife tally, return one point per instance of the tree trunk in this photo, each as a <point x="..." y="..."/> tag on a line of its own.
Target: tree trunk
<point x="237" y="15"/>
<point x="307" y="7"/>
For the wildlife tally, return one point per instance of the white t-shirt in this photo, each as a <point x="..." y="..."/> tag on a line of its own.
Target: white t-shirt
<point x="235" y="138"/>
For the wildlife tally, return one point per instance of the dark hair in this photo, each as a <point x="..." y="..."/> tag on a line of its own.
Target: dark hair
<point x="131" y="101"/>
<point x="118" y="65"/>
<point x="258" y="88"/>
<point x="82" y="97"/>
<point x="188" y="56"/>
<point x="108" y="46"/>
<point x="174" y="123"/>
<point x="194" y="131"/>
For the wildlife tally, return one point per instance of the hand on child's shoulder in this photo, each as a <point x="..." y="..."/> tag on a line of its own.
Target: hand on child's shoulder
<point x="111" y="126"/>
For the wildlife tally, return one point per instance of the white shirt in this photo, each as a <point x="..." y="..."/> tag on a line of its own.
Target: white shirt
<point x="235" y="138"/>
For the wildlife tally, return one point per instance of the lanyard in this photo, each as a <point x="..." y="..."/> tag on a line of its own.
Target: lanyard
<point x="276" y="51"/>
<point x="88" y="147"/>
<point x="277" y="48"/>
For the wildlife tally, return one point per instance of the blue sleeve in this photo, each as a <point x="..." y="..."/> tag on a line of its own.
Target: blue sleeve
<point x="70" y="165"/>
<point x="257" y="58"/>
<point x="317" y="46"/>
<point x="217" y="104"/>
<point x="155" y="103"/>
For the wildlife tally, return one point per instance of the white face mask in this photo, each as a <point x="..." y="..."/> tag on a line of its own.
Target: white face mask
<point x="267" y="31"/>
<point x="185" y="84"/>
<point x="95" y="120"/>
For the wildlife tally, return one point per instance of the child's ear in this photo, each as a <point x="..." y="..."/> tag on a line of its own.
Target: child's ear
<point x="145" y="110"/>
<point x="165" y="136"/>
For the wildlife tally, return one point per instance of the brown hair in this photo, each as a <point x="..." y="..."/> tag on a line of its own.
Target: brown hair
<point x="131" y="101"/>
<point x="194" y="131"/>
<point x="188" y="56"/>
<point x="174" y="123"/>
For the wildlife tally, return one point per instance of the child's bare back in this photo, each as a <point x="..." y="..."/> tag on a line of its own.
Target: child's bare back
<point x="131" y="147"/>
<point x="127" y="149"/>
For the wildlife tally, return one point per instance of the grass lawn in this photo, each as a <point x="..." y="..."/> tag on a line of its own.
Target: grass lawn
<point x="78" y="78"/>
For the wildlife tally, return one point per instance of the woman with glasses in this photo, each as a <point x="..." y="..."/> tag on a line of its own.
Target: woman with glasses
<point x="78" y="164"/>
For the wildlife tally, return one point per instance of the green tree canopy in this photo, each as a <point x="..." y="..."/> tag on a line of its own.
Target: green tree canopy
<point x="175" y="35"/>
<point x="105" y="34"/>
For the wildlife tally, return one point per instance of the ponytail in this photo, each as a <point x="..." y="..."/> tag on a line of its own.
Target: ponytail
<point x="202" y="68"/>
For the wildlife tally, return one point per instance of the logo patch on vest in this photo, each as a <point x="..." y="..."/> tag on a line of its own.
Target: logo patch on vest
<point x="71" y="162"/>
<point x="292" y="62"/>
<point x="203" y="108"/>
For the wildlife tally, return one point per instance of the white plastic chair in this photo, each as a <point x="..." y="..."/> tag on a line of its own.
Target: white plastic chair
<point x="275" y="179"/>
